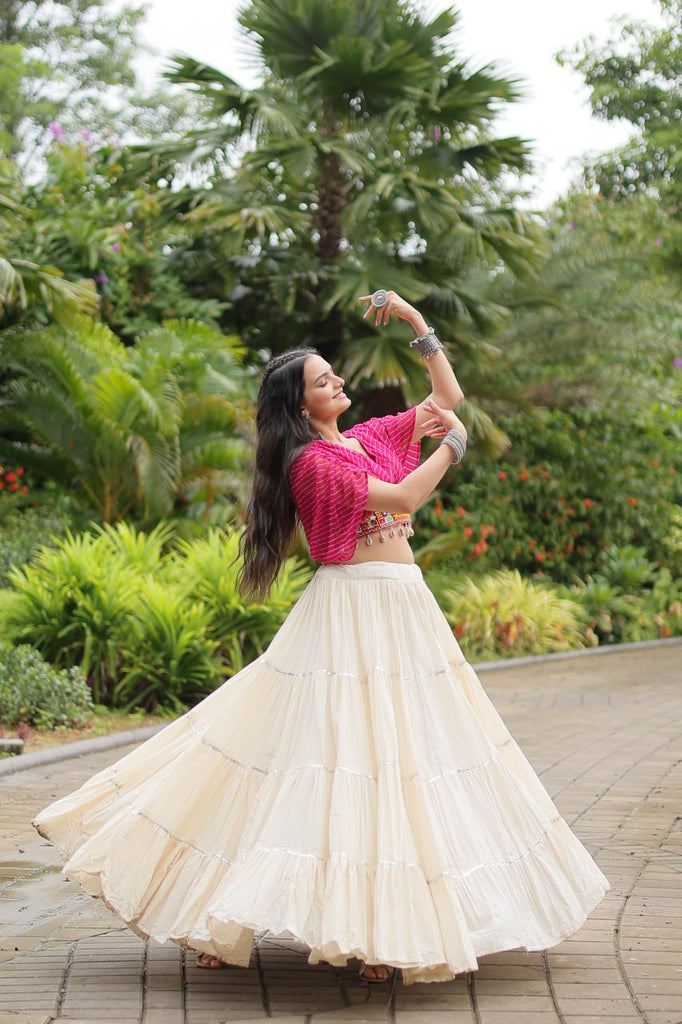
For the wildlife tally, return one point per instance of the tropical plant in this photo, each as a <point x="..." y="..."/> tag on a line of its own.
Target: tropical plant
<point x="503" y="614"/>
<point x="241" y="629"/>
<point x="367" y="155"/>
<point x="599" y="317"/>
<point x="152" y="624"/>
<point x="166" y="656"/>
<point x="132" y="432"/>
<point x="29" y="287"/>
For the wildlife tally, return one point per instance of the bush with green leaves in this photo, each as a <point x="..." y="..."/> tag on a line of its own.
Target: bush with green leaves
<point x="571" y="485"/>
<point x="629" y="599"/>
<point x="152" y="622"/>
<point x="32" y="692"/>
<point x="23" y="530"/>
<point x="503" y="615"/>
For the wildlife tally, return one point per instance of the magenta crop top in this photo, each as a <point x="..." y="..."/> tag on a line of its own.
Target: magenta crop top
<point x="329" y="482"/>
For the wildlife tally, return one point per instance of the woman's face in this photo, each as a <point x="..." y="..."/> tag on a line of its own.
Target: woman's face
<point x="323" y="396"/>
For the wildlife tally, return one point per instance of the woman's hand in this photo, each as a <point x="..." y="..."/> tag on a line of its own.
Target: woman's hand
<point x="402" y="309"/>
<point x="440" y="421"/>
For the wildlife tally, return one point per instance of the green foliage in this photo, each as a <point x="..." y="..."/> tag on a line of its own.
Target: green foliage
<point x="25" y="528"/>
<point x="367" y="154"/>
<point x="629" y="598"/>
<point x="29" y="286"/>
<point x="166" y="656"/>
<point x="600" y="317"/>
<point x="241" y="629"/>
<point x="151" y="624"/>
<point x="67" y="68"/>
<point x="121" y="239"/>
<point x="34" y="693"/>
<point x="636" y="77"/>
<point x="133" y="432"/>
<point x="571" y="485"/>
<point x="502" y="615"/>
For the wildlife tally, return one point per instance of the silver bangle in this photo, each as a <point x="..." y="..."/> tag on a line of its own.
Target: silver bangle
<point x="453" y="439"/>
<point x="427" y="344"/>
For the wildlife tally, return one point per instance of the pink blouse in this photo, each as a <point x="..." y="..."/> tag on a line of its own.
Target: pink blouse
<point x="329" y="482"/>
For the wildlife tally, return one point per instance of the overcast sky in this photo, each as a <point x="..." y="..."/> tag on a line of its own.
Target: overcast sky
<point x="521" y="37"/>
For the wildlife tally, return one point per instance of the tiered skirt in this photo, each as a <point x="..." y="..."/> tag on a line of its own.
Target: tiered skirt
<point x="353" y="787"/>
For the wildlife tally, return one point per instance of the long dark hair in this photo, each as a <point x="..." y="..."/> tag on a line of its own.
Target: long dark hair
<point x="282" y="433"/>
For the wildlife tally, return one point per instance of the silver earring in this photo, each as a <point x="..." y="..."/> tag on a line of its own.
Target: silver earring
<point x="306" y="416"/>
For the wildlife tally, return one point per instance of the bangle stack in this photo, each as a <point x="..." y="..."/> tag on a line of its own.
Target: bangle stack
<point x="453" y="439"/>
<point x="427" y="344"/>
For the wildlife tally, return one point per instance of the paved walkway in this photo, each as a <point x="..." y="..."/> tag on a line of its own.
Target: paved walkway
<point x="605" y="733"/>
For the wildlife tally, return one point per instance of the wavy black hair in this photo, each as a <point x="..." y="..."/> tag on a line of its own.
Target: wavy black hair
<point x="282" y="434"/>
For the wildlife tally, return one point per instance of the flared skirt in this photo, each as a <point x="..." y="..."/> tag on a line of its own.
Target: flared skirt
<point x="353" y="787"/>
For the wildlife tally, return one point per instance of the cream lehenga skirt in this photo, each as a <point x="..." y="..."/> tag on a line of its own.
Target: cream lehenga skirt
<point x="353" y="787"/>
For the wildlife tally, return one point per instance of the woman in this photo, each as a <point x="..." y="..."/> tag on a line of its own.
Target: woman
<point x="357" y="791"/>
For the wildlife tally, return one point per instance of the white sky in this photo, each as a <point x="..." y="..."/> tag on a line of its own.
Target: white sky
<point x="520" y="36"/>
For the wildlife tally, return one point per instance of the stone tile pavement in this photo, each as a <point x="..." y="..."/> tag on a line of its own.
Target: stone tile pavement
<point x="604" y="731"/>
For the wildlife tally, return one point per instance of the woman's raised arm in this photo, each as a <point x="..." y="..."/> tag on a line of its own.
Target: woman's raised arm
<point x="445" y="388"/>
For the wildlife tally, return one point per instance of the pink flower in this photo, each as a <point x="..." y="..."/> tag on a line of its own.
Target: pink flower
<point x="115" y="246"/>
<point x="56" y="130"/>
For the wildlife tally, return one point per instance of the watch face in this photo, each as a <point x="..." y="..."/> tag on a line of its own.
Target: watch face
<point x="379" y="297"/>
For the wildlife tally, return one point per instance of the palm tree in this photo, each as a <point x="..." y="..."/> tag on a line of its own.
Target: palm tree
<point x="365" y="157"/>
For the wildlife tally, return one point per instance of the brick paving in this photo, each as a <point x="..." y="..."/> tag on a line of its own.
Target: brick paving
<point x="603" y="730"/>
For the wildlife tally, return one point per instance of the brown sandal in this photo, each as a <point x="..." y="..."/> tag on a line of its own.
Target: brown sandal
<point x="387" y="974"/>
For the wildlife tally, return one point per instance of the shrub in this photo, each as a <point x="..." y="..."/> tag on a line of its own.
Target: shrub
<point x="149" y="623"/>
<point x="502" y="615"/>
<point x="571" y="485"/>
<point x="23" y="530"/>
<point x="629" y="599"/>
<point x="166" y="655"/>
<point x="34" y="693"/>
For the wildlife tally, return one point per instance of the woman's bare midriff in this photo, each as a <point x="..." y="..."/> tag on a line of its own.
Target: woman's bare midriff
<point x="392" y="549"/>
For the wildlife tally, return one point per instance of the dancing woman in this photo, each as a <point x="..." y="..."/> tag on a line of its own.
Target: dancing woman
<point x="358" y="789"/>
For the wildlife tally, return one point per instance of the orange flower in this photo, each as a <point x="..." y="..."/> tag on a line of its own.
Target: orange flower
<point x="461" y="511"/>
<point x="632" y="501"/>
<point x="523" y="475"/>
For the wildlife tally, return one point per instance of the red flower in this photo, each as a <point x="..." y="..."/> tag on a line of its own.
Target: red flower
<point x="539" y="557"/>
<point x="468" y="531"/>
<point x="24" y="489"/>
<point x="632" y="501"/>
<point x="588" y="503"/>
<point x="438" y="509"/>
<point x="502" y="475"/>
<point x="20" y="471"/>
<point x="533" y="544"/>
<point x="461" y="511"/>
<point x="655" y="462"/>
<point x="523" y="475"/>
<point x="477" y="549"/>
<point x="10" y="477"/>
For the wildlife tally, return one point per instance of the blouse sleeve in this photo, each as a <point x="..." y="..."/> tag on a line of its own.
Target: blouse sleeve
<point x="397" y="433"/>
<point x="330" y="499"/>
